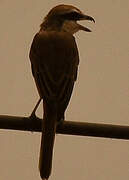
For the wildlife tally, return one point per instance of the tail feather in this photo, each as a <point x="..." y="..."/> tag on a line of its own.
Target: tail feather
<point x="47" y="141"/>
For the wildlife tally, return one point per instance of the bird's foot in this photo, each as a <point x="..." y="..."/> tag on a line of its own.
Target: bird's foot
<point x="33" y="115"/>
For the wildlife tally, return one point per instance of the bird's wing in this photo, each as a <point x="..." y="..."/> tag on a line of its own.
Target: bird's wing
<point x="54" y="59"/>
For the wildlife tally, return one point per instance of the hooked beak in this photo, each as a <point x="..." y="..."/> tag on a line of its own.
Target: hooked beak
<point x="85" y="17"/>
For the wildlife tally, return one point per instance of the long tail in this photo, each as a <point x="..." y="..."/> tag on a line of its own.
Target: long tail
<point x="47" y="141"/>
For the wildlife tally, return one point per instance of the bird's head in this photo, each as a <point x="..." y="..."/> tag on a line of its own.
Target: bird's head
<point x="64" y="18"/>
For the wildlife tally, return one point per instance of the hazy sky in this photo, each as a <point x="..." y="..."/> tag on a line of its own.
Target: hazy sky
<point x="101" y="93"/>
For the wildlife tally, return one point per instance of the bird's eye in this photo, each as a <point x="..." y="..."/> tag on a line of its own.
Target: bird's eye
<point x="72" y="16"/>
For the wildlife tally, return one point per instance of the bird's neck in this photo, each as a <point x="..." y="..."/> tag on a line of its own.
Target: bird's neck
<point x="51" y="25"/>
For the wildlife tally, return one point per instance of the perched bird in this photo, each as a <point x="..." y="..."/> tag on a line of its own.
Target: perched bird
<point x="54" y="60"/>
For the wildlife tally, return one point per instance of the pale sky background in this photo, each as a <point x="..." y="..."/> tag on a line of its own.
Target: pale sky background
<point x="101" y="93"/>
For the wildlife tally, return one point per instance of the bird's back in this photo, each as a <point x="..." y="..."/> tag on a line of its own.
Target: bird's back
<point x="55" y="57"/>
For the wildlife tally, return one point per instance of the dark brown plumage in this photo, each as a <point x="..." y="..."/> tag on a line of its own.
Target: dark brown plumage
<point x="54" y="61"/>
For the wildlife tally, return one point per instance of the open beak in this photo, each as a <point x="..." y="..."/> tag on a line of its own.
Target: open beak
<point x="85" y="17"/>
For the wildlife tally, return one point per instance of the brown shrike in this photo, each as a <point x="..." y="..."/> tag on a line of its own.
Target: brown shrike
<point x="54" y="61"/>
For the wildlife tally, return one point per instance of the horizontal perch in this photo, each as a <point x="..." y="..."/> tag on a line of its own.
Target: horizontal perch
<point x="66" y="127"/>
